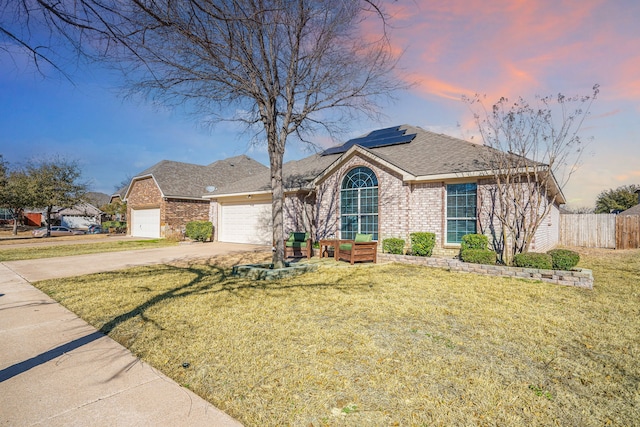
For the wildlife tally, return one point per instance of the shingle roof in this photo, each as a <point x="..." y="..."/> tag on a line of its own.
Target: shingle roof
<point x="427" y="154"/>
<point x="81" y="209"/>
<point x="185" y="180"/>
<point x="433" y="154"/>
<point x="297" y="174"/>
<point x="635" y="210"/>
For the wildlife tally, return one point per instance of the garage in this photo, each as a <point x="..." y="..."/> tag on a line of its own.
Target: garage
<point x="245" y="223"/>
<point x="145" y="222"/>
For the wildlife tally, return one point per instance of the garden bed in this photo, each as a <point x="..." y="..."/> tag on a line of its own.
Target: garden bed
<point x="579" y="277"/>
<point x="267" y="272"/>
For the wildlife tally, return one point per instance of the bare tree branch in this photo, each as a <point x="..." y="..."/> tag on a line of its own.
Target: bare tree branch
<point x="530" y="146"/>
<point x="280" y="67"/>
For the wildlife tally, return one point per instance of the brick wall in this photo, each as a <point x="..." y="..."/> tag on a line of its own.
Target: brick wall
<point x="403" y="208"/>
<point x="299" y="213"/>
<point x="548" y="234"/>
<point x="144" y="194"/>
<point x="427" y="212"/>
<point x="176" y="213"/>
<point x="326" y="215"/>
<point x="393" y="201"/>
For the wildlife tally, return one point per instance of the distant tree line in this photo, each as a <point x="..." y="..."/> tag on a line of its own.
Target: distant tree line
<point x="612" y="200"/>
<point x="40" y="185"/>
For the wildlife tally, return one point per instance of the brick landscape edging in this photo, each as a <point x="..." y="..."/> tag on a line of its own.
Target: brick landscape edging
<point x="580" y="277"/>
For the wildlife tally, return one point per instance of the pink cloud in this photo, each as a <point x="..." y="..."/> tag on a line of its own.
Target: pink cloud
<point x="628" y="176"/>
<point x="509" y="48"/>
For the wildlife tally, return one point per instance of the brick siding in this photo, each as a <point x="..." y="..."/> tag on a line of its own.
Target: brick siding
<point x="174" y="213"/>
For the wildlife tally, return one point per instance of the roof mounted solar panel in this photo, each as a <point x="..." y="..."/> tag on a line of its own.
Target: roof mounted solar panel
<point x="377" y="138"/>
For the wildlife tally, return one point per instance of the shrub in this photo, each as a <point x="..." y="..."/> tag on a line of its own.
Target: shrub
<point x="119" y="226"/>
<point x="474" y="241"/>
<point x="422" y="243"/>
<point x="533" y="260"/>
<point x="478" y="256"/>
<point x="564" y="259"/>
<point x="200" y="231"/>
<point x="393" y="245"/>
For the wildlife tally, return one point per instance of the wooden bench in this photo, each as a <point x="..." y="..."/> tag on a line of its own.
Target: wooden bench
<point x="358" y="250"/>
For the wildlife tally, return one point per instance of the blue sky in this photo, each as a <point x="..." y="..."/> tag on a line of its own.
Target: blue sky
<point x="451" y="48"/>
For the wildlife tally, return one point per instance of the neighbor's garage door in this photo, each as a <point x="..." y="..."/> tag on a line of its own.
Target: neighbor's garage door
<point x="145" y="222"/>
<point x="245" y="223"/>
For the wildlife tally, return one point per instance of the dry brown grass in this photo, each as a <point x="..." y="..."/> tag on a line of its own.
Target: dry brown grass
<point x="81" y="248"/>
<point x="382" y="345"/>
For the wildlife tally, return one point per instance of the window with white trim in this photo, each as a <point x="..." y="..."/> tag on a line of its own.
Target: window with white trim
<point x="462" y="217"/>
<point x="359" y="203"/>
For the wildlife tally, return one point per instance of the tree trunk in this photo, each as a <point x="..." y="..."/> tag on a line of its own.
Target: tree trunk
<point x="49" y="209"/>
<point x="15" y="225"/>
<point x="277" y="216"/>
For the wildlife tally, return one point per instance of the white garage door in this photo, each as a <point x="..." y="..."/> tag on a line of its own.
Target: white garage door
<point x="245" y="223"/>
<point x="145" y="222"/>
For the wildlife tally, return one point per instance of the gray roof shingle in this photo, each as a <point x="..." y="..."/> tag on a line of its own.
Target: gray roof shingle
<point x="634" y="210"/>
<point x="427" y="154"/>
<point x="177" y="179"/>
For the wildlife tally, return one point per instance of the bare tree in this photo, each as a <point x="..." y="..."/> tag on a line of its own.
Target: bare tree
<point x="281" y="67"/>
<point x="531" y="145"/>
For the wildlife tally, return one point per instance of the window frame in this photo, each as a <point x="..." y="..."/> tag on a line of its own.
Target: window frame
<point x="447" y="218"/>
<point x="368" y="211"/>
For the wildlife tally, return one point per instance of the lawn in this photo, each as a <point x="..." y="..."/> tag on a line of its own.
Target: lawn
<point x="88" y="247"/>
<point x="382" y="345"/>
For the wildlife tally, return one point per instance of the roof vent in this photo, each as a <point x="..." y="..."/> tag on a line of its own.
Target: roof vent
<point x="210" y="188"/>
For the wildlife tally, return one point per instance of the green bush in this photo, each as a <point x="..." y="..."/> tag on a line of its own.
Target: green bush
<point x="200" y="231"/>
<point x="119" y="226"/>
<point x="533" y="260"/>
<point x="474" y="241"/>
<point x="564" y="259"/>
<point x="393" y="245"/>
<point x="422" y="243"/>
<point x="478" y="256"/>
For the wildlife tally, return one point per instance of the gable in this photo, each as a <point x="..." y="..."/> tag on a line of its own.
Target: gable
<point x="144" y="191"/>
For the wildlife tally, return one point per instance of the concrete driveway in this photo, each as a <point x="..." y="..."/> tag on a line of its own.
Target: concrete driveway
<point x="56" y="370"/>
<point x="51" y="268"/>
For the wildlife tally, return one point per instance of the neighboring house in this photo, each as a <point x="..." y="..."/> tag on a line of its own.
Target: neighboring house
<point x="389" y="183"/>
<point x="80" y="216"/>
<point x="164" y="198"/>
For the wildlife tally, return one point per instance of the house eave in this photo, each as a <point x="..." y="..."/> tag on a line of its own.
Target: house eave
<point x="228" y="195"/>
<point x="184" y="197"/>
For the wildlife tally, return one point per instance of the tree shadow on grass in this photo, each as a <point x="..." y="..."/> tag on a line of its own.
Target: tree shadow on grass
<point x="211" y="279"/>
<point x="206" y="279"/>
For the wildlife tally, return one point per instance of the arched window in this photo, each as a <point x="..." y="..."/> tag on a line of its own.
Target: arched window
<point x="359" y="203"/>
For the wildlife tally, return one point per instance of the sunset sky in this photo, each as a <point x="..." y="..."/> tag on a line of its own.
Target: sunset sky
<point x="451" y="48"/>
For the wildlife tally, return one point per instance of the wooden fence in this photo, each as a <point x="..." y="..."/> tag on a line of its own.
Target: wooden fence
<point x="600" y="231"/>
<point x="628" y="232"/>
<point x="588" y="230"/>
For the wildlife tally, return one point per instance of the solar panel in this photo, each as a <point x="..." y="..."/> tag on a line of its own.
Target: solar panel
<point x="377" y="138"/>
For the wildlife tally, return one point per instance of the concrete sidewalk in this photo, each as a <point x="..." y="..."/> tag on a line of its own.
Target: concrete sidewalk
<point x="56" y="370"/>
